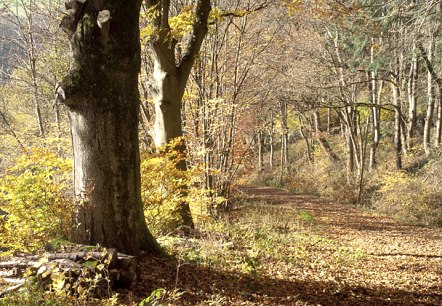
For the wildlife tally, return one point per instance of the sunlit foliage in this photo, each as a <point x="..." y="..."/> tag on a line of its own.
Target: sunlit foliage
<point x="35" y="194"/>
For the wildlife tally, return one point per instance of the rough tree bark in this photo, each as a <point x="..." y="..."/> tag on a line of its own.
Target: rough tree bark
<point x="101" y="93"/>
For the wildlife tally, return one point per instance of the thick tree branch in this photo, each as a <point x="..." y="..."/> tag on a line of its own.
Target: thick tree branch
<point x="76" y="9"/>
<point x="200" y="29"/>
<point x="242" y="13"/>
<point x="154" y="5"/>
<point x="165" y="6"/>
<point x="163" y="43"/>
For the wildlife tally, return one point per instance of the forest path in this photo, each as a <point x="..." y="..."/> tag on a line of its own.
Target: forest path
<point x="279" y="248"/>
<point x="396" y="254"/>
<point x="376" y="235"/>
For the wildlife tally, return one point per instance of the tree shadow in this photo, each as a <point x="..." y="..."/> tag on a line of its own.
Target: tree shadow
<point x="199" y="284"/>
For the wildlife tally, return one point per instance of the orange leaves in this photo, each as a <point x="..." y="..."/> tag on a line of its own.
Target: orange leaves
<point x="323" y="9"/>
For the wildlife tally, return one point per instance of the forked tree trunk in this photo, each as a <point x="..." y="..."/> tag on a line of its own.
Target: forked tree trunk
<point x="430" y="103"/>
<point x="347" y="116"/>
<point x="432" y="78"/>
<point x="170" y="76"/>
<point x="101" y="92"/>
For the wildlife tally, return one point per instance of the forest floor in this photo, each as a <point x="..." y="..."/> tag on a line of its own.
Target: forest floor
<point x="278" y="248"/>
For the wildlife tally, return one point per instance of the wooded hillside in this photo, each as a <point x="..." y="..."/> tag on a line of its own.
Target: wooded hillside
<point x="146" y="130"/>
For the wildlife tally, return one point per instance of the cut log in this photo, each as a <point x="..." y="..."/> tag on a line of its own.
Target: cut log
<point x="10" y="272"/>
<point x="18" y="263"/>
<point x="125" y="272"/>
<point x="10" y="289"/>
<point x="75" y="256"/>
<point x="14" y="280"/>
<point x="122" y="268"/>
<point x="67" y="263"/>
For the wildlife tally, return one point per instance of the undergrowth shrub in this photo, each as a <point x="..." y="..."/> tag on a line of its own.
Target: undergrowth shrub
<point x="35" y="196"/>
<point x="411" y="197"/>
<point x="161" y="185"/>
<point x="164" y="188"/>
<point x="321" y="176"/>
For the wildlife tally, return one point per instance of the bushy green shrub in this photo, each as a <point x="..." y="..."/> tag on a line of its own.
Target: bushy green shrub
<point x="35" y="194"/>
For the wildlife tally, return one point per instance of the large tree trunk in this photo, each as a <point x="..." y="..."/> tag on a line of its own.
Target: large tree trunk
<point x="167" y="91"/>
<point x="101" y="92"/>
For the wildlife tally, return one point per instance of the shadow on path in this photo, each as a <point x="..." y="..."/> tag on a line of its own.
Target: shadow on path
<point x="200" y="284"/>
<point x="399" y="256"/>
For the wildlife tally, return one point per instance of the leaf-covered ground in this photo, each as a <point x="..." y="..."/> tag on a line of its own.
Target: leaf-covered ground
<point x="277" y="248"/>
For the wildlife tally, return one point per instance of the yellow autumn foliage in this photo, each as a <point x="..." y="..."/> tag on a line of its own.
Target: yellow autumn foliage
<point x="160" y="191"/>
<point x="409" y="197"/>
<point x="162" y="186"/>
<point x="35" y="200"/>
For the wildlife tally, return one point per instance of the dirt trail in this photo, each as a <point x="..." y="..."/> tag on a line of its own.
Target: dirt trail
<point x="346" y="257"/>
<point x="398" y="255"/>
<point x="377" y="235"/>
